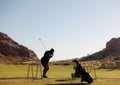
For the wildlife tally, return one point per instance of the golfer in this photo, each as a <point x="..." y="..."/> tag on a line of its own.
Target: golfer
<point x="45" y="60"/>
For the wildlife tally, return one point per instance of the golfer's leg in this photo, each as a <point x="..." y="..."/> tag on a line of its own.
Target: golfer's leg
<point x="47" y="68"/>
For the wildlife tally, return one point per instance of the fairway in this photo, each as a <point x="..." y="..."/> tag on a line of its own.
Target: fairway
<point x="58" y="75"/>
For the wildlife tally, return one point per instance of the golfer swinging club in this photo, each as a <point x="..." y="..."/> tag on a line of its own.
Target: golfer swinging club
<point x="45" y="60"/>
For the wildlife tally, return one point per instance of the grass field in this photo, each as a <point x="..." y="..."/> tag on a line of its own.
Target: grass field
<point x="17" y="74"/>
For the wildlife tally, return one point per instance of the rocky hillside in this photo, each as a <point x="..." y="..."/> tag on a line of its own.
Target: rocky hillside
<point x="12" y="52"/>
<point x="108" y="57"/>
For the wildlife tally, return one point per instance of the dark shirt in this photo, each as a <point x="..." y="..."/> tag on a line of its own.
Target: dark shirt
<point x="47" y="55"/>
<point x="79" y="70"/>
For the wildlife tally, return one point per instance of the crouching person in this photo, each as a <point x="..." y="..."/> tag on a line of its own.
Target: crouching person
<point x="80" y="71"/>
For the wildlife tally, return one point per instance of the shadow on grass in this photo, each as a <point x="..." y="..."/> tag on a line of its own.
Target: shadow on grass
<point x="62" y="82"/>
<point x="69" y="84"/>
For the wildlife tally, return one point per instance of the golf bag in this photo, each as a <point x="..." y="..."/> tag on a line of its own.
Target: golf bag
<point x="86" y="77"/>
<point x="81" y="71"/>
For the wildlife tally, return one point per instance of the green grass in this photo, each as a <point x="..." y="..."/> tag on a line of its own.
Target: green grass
<point x="60" y="71"/>
<point x="105" y="83"/>
<point x="104" y="73"/>
<point x="54" y="83"/>
<point x="20" y="71"/>
<point x="12" y="71"/>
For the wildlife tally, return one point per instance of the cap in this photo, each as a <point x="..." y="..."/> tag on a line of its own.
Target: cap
<point x="52" y="50"/>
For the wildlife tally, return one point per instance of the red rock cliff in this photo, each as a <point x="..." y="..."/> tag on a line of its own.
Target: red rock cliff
<point x="11" y="51"/>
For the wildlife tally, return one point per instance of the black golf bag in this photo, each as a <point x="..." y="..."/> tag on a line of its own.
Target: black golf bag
<point x="86" y="77"/>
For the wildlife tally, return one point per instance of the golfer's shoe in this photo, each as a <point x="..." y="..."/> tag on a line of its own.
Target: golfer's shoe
<point x="44" y="77"/>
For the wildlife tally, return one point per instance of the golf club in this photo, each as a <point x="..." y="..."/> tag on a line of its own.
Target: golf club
<point x="45" y="48"/>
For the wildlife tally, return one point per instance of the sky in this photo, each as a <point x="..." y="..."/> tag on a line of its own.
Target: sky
<point x="74" y="28"/>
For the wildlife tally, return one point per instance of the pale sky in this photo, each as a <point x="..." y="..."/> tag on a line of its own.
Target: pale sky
<point x="74" y="28"/>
